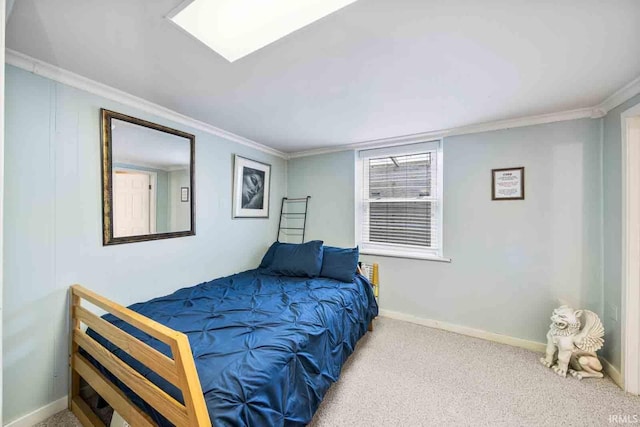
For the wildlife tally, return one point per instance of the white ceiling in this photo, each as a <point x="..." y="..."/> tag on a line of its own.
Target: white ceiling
<point x="375" y="69"/>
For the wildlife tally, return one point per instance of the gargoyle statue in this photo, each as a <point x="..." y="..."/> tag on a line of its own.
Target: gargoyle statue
<point x="571" y="349"/>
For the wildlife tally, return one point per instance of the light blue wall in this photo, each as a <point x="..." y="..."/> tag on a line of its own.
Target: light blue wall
<point x="511" y="261"/>
<point x="329" y="180"/>
<point x="8" y="9"/>
<point x="53" y="230"/>
<point x="162" y="195"/>
<point x="613" y="231"/>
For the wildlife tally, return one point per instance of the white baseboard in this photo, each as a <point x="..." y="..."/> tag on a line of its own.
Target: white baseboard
<point x="538" y="347"/>
<point x="611" y="370"/>
<point x="464" y="330"/>
<point x="41" y="414"/>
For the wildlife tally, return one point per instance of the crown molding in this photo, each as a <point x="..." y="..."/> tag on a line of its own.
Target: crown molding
<point x="622" y="95"/>
<point x="63" y="76"/>
<point x="77" y="81"/>
<point x="376" y="143"/>
<point x="582" y="113"/>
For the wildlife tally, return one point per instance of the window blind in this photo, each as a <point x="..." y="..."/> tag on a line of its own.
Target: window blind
<point x="399" y="197"/>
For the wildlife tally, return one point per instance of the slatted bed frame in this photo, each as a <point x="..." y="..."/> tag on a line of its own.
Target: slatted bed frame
<point x="179" y="370"/>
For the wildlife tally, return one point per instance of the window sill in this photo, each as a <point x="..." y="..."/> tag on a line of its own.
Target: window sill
<point x="404" y="254"/>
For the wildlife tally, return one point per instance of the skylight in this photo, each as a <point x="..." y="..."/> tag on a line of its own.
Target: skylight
<point x="236" y="28"/>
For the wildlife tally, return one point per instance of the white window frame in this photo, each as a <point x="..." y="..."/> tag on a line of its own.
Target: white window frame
<point x="390" y="249"/>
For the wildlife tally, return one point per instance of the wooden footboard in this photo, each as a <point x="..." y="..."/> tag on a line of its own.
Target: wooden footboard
<point x="179" y="370"/>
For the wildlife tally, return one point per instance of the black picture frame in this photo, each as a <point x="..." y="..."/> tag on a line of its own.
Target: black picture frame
<point x="251" y="188"/>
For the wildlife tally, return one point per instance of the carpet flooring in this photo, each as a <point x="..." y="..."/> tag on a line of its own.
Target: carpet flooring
<point x="410" y="375"/>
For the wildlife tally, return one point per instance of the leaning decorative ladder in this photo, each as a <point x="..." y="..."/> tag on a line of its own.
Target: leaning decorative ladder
<point x="179" y="370"/>
<point x="293" y="216"/>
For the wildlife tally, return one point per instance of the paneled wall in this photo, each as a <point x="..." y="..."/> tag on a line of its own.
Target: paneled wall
<point x="53" y="230"/>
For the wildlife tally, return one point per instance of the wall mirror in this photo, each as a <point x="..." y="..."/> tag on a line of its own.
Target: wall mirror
<point x="147" y="180"/>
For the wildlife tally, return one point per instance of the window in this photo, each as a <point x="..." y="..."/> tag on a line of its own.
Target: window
<point x="400" y="209"/>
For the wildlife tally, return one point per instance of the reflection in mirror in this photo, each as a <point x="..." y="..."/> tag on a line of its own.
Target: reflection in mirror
<point x="149" y="189"/>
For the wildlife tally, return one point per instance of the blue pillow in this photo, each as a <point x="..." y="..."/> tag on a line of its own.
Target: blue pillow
<point x="268" y="257"/>
<point x="339" y="263"/>
<point x="299" y="260"/>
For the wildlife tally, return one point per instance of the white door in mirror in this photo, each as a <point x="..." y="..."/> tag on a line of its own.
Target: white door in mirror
<point x="130" y="204"/>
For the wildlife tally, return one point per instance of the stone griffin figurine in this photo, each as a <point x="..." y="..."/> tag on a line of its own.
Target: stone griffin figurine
<point x="571" y="349"/>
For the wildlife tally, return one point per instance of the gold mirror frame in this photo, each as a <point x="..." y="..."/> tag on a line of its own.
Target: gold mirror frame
<point x="107" y="180"/>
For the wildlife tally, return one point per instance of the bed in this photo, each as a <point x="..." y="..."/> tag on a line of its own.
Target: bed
<point x="249" y="349"/>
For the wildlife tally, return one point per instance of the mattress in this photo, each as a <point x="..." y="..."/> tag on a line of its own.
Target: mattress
<point x="267" y="348"/>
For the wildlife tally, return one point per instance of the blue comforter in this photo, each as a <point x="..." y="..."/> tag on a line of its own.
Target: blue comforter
<point x="266" y="347"/>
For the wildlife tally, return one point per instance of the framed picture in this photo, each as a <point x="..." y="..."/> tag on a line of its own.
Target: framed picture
<point x="251" y="182"/>
<point x="184" y="194"/>
<point x="507" y="184"/>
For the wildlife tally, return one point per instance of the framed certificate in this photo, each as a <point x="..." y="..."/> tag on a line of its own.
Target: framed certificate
<point x="507" y="184"/>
